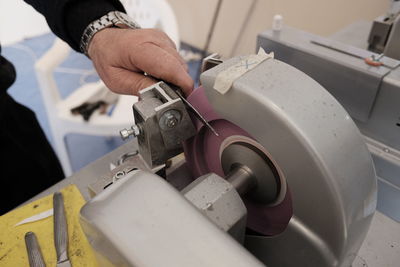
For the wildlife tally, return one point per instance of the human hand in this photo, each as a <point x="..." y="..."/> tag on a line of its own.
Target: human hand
<point x="122" y="56"/>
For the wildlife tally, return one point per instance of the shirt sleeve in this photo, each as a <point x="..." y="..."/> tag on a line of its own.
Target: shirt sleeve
<point x="69" y="18"/>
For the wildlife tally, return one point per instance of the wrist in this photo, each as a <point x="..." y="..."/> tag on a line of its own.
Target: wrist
<point x="113" y="19"/>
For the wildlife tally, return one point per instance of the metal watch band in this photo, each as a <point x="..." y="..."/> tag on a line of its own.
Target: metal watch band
<point x="111" y="19"/>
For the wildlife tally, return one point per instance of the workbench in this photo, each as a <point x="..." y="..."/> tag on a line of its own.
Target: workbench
<point x="381" y="247"/>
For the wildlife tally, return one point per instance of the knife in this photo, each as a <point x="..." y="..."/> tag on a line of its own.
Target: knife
<point x="60" y="231"/>
<point x="33" y="248"/>
<point x="192" y="109"/>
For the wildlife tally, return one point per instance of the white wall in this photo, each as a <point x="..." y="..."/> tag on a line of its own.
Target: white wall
<point x="18" y="20"/>
<point x="317" y="16"/>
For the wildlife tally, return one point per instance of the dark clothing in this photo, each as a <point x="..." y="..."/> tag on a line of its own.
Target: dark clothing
<point x="7" y="74"/>
<point x="28" y="162"/>
<point x="69" y="18"/>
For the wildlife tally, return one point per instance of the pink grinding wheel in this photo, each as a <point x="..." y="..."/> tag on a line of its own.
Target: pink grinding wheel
<point x="203" y="155"/>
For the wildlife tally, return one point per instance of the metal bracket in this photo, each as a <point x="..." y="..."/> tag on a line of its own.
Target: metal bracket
<point x="210" y="62"/>
<point x="162" y="124"/>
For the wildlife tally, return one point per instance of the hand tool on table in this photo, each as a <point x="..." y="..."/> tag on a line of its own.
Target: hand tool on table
<point x="60" y="231"/>
<point x="34" y="254"/>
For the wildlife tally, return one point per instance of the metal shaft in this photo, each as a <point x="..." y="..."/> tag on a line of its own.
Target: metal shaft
<point x="242" y="179"/>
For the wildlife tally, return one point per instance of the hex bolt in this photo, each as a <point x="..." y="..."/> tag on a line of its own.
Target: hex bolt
<point x="169" y="119"/>
<point x="133" y="131"/>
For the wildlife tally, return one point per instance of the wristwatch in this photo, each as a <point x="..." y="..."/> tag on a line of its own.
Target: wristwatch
<point x="112" y="19"/>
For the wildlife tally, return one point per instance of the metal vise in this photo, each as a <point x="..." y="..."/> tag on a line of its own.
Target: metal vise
<point x="162" y="124"/>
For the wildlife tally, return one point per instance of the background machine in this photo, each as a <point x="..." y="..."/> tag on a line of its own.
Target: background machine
<point x="360" y="67"/>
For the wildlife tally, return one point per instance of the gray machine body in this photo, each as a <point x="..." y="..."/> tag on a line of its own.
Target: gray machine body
<point x="318" y="147"/>
<point x="142" y="220"/>
<point x="370" y="94"/>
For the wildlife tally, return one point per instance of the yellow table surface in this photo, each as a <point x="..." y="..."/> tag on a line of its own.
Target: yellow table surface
<point x="12" y="242"/>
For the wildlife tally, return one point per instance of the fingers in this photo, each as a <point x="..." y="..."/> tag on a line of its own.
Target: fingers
<point x="128" y="82"/>
<point x="162" y="40"/>
<point x="161" y="64"/>
<point x="121" y="56"/>
<point x="163" y="36"/>
<point x="175" y="53"/>
<point x="155" y="36"/>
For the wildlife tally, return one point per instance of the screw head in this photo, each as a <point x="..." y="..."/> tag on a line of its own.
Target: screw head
<point x="171" y="121"/>
<point x="119" y="175"/>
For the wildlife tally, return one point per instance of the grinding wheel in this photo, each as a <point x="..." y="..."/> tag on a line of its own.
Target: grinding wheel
<point x="313" y="140"/>
<point x="269" y="205"/>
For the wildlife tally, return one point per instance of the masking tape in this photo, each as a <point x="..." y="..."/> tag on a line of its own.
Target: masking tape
<point x="226" y="78"/>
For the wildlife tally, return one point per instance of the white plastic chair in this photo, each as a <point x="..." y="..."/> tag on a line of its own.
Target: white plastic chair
<point x="61" y="120"/>
<point x="154" y="14"/>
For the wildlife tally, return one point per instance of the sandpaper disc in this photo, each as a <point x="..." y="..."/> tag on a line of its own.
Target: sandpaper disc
<point x="203" y="155"/>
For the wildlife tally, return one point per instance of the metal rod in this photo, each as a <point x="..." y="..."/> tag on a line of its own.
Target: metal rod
<point x="209" y="36"/>
<point x="242" y="179"/>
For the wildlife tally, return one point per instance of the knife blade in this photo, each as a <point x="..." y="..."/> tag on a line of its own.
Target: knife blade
<point x="60" y="231"/>
<point x="192" y="109"/>
<point x="34" y="254"/>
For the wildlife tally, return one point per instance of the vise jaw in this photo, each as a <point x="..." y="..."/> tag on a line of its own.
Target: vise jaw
<point x="162" y="124"/>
